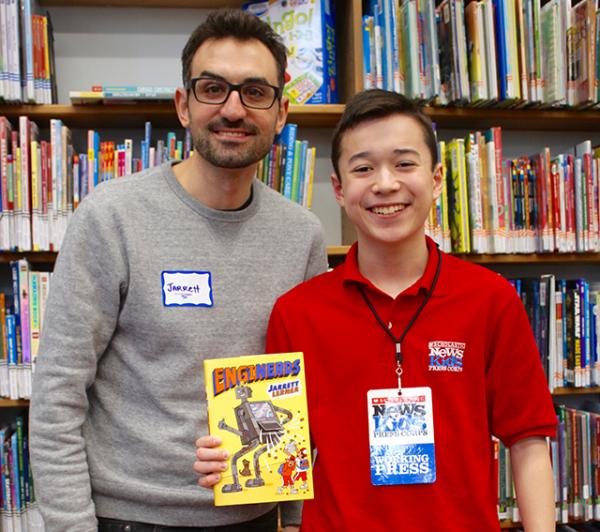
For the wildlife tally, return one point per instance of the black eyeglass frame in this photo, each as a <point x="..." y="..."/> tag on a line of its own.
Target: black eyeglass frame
<point x="237" y="87"/>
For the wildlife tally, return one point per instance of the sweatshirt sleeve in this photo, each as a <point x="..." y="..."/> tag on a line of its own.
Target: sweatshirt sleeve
<point x="87" y="287"/>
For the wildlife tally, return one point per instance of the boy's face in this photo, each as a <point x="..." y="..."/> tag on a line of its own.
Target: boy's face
<point x="387" y="182"/>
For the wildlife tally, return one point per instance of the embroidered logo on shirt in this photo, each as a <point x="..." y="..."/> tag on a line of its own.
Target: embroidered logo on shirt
<point x="187" y="289"/>
<point x="446" y="356"/>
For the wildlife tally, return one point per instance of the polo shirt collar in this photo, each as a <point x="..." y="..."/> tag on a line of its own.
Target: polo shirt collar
<point x="351" y="273"/>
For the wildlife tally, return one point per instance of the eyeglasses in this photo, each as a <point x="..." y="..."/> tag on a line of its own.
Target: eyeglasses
<point x="253" y="94"/>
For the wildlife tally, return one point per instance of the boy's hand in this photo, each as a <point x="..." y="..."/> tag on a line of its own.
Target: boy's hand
<point x="210" y="461"/>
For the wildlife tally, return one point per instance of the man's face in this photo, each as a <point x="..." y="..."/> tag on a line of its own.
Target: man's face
<point x="230" y="135"/>
<point x="387" y="183"/>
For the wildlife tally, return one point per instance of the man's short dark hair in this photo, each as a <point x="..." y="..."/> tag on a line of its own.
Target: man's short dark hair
<point x="376" y="103"/>
<point x="240" y="25"/>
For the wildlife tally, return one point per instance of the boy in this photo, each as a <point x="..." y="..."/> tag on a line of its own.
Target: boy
<point x="400" y="314"/>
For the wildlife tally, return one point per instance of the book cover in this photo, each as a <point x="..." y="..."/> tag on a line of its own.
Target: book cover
<point x="308" y="31"/>
<point x="257" y="406"/>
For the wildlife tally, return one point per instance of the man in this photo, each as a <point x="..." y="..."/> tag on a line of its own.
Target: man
<point x="429" y="335"/>
<point x="157" y="272"/>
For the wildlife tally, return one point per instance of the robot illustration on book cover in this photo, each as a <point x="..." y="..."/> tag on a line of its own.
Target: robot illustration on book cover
<point x="259" y="428"/>
<point x="257" y="406"/>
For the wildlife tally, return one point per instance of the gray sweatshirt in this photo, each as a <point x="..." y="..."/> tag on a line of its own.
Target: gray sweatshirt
<point x="118" y="397"/>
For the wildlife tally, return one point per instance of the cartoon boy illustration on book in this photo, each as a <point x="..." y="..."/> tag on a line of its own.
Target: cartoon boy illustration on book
<point x="288" y="467"/>
<point x="302" y="467"/>
<point x="259" y="428"/>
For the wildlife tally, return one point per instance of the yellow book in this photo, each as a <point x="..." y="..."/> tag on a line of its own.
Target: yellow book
<point x="311" y="176"/>
<point x="458" y="202"/>
<point x="257" y="406"/>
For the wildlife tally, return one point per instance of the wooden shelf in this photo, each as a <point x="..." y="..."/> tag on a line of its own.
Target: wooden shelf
<point x="163" y="114"/>
<point x="11" y="403"/>
<point x="160" y="114"/>
<point x="576" y="391"/>
<point x="34" y="257"/>
<point x="515" y="119"/>
<point x="48" y="257"/>
<point x="526" y="258"/>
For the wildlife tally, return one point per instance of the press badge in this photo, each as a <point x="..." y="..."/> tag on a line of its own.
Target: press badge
<point x="402" y="446"/>
<point x="187" y="289"/>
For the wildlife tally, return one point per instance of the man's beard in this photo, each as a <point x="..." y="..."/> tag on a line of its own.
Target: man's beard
<point x="238" y="156"/>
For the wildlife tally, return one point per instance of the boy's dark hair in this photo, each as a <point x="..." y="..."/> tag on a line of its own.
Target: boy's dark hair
<point x="376" y="103"/>
<point x="240" y="25"/>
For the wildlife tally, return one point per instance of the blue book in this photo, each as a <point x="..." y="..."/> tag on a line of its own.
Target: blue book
<point x="145" y="154"/>
<point x="21" y="462"/>
<point x="14" y="269"/>
<point x="288" y="138"/>
<point x="379" y="29"/>
<point x="96" y="161"/>
<point x="395" y="52"/>
<point x="584" y="291"/>
<point x="148" y="139"/>
<point x="11" y="337"/>
<point x="386" y="16"/>
<point x="14" y="473"/>
<point x="301" y="172"/>
<point x="502" y="45"/>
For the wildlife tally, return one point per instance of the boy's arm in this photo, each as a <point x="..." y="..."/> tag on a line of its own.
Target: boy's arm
<point x="532" y="473"/>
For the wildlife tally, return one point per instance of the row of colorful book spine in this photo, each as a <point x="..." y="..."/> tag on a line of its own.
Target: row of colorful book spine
<point x="26" y="53"/>
<point x="575" y="464"/>
<point x="575" y="468"/>
<point x="290" y="167"/>
<point x="540" y="203"/>
<point x="21" y="321"/>
<point x="18" y="509"/>
<point x="43" y="181"/>
<point x="563" y="315"/>
<point x="507" y="52"/>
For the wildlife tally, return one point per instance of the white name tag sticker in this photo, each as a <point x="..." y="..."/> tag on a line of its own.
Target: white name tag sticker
<point x="187" y="289"/>
<point x="402" y="443"/>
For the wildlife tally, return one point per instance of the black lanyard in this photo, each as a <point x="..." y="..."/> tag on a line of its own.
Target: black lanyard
<point x="398" y="341"/>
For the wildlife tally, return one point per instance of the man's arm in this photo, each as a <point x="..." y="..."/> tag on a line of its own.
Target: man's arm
<point x="80" y="318"/>
<point x="532" y="473"/>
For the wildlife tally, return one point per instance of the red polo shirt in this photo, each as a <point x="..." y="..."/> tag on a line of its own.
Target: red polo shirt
<point x="498" y="387"/>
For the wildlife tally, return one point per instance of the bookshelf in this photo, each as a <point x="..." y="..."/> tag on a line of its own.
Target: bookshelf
<point x="321" y="118"/>
<point x="318" y="116"/>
